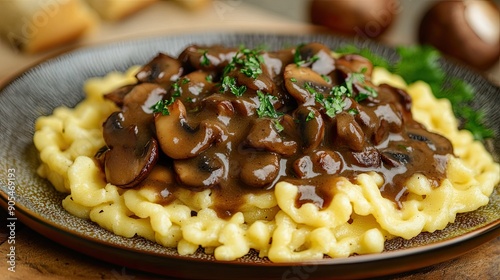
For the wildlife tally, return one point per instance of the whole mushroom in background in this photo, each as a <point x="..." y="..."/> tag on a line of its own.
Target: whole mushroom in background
<point x="465" y="30"/>
<point x="368" y="19"/>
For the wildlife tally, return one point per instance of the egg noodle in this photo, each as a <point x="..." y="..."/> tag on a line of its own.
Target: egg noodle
<point x="358" y="220"/>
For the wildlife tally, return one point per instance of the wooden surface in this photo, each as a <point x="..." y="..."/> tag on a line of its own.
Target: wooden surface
<point x="40" y="258"/>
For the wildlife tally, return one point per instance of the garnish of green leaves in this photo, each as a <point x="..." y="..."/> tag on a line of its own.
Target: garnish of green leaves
<point x="299" y="61"/>
<point x="162" y="106"/>
<point x="229" y="83"/>
<point x="421" y="63"/>
<point x="249" y="61"/>
<point x="204" y="59"/>
<point x="266" y="107"/>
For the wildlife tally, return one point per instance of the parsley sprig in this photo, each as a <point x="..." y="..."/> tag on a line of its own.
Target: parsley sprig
<point x="266" y="107"/>
<point x="162" y="106"/>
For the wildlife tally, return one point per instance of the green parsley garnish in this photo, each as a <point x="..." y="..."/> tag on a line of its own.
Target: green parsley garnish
<point x="334" y="103"/>
<point x="229" y="83"/>
<point x="204" y="59"/>
<point x="177" y="90"/>
<point x="299" y="61"/>
<point x="266" y="107"/>
<point x="162" y="106"/>
<point x="310" y="116"/>
<point x="293" y="80"/>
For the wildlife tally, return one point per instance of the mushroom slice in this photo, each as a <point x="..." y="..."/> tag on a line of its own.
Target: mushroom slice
<point x="162" y="69"/>
<point x="178" y="139"/>
<point x="353" y="63"/>
<point x="317" y="163"/>
<point x="130" y="158"/>
<point x="119" y="94"/>
<point x="319" y="56"/>
<point x="200" y="172"/>
<point x="311" y="127"/>
<point x="303" y="83"/>
<point x="349" y="132"/>
<point x="260" y="170"/>
<point x="263" y="135"/>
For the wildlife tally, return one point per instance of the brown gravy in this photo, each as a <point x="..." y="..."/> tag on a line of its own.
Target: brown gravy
<point x="239" y="121"/>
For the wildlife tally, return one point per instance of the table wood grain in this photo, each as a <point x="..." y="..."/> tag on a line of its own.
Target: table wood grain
<point x="38" y="257"/>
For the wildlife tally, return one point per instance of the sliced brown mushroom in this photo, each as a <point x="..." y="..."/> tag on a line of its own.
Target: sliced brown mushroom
<point x="260" y="169"/>
<point x="349" y="132"/>
<point x="353" y="63"/>
<point x="263" y="135"/>
<point x="311" y="127"/>
<point x="119" y="94"/>
<point x="178" y="139"/>
<point x="162" y="69"/>
<point x="130" y="157"/>
<point x="199" y="172"/>
<point x="132" y="150"/>
<point x="317" y="163"/>
<point x="368" y="157"/>
<point x="303" y="84"/>
<point x="319" y="57"/>
<point x="212" y="58"/>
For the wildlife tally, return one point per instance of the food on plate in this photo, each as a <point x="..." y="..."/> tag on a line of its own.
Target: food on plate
<point x="36" y="25"/>
<point x="465" y="30"/>
<point x="297" y="153"/>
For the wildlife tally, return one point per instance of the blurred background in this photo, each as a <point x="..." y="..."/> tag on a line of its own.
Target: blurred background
<point x="32" y="30"/>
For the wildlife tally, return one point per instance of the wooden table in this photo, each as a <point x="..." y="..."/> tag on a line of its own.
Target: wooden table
<point x="40" y="258"/>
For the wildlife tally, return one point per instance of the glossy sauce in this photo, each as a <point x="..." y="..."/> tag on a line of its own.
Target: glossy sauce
<point x="215" y="139"/>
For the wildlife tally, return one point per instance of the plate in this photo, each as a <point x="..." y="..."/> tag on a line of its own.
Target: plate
<point x="58" y="81"/>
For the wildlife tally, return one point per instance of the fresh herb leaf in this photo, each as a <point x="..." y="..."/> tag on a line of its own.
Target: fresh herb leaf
<point x="162" y="106"/>
<point x="266" y="107"/>
<point x="310" y="116"/>
<point x="229" y="83"/>
<point x="278" y="126"/>
<point x="204" y="59"/>
<point x="299" y="61"/>
<point x="177" y="90"/>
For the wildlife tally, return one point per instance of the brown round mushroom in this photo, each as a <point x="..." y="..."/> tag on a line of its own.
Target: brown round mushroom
<point x="260" y="169"/>
<point x="365" y="18"/>
<point x="163" y="69"/>
<point x="263" y="135"/>
<point x="465" y="30"/>
<point x="178" y="139"/>
<point x="130" y="157"/>
<point x="199" y="172"/>
<point x="311" y="127"/>
<point x="302" y="83"/>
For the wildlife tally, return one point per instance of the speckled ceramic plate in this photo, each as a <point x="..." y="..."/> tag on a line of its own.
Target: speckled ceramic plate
<point x="59" y="81"/>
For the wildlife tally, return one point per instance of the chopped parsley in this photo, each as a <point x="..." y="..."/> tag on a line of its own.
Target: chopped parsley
<point x="266" y="107"/>
<point x="229" y="83"/>
<point x="204" y="59"/>
<point x="162" y="106"/>
<point x="177" y="90"/>
<point x="299" y="61"/>
<point x="310" y="116"/>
